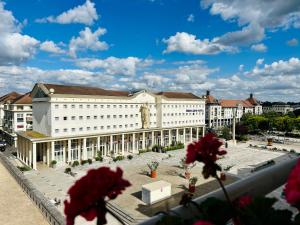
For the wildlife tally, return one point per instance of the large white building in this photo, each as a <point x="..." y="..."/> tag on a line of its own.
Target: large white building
<point x="278" y="108"/>
<point x="74" y="123"/>
<point x="220" y="113"/>
<point x="17" y="116"/>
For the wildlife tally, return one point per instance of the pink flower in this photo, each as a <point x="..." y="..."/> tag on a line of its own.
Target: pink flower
<point x="292" y="187"/>
<point x="87" y="195"/>
<point x="206" y="150"/>
<point x="203" y="222"/>
<point x="244" y="201"/>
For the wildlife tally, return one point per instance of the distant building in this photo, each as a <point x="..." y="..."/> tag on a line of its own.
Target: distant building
<point x="220" y="113"/>
<point x="76" y="123"/>
<point x="17" y="117"/>
<point x="281" y="108"/>
<point x="6" y="99"/>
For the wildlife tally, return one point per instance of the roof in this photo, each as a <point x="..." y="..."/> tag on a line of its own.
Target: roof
<point x="82" y="90"/>
<point x="23" y="99"/>
<point x="9" y="97"/>
<point x="178" y="95"/>
<point x="228" y="103"/>
<point x="252" y="101"/>
<point x="211" y="99"/>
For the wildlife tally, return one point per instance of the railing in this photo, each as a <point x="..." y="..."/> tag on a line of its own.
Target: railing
<point x="258" y="184"/>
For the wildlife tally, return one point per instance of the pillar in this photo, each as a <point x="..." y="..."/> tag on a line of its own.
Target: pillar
<point x="177" y="135"/>
<point x="133" y="143"/>
<point x="79" y="149"/>
<point x="191" y="134"/>
<point x="184" y="136"/>
<point x="64" y="151"/>
<point x="170" y="138"/>
<point x="52" y="150"/>
<point x="34" y="155"/>
<point x="105" y="145"/>
<point x="98" y="145"/>
<point x="69" y="151"/>
<point x="143" y="141"/>
<point x="152" y="138"/>
<point x="84" y="150"/>
<point x="48" y="153"/>
<point x="203" y="131"/>
<point x="30" y="153"/>
<point x="111" y="144"/>
<point x="197" y="133"/>
<point x="161" y="138"/>
<point x="123" y="144"/>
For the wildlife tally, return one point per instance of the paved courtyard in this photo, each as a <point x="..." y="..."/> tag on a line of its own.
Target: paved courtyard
<point x="54" y="183"/>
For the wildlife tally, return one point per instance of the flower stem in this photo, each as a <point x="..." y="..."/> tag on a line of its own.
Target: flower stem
<point x="223" y="189"/>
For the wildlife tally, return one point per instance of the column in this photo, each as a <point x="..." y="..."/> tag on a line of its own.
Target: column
<point x="52" y="150"/>
<point x="48" y="153"/>
<point x="191" y="134"/>
<point x="133" y="143"/>
<point x="79" y="149"/>
<point x="111" y="144"/>
<point x="197" y="133"/>
<point x="44" y="152"/>
<point x="64" y="151"/>
<point x="69" y="151"/>
<point x="26" y="152"/>
<point x="203" y="131"/>
<point x="143" y="141"/>
<point x="177" y="135"/>
<point x="98" y="145"/>
<point x="30" y="153"/>
<point x="105" y="146"/>
<point x="170" y="138"/>
<point x="152" y="138"/>
<point x="93" y="147"/>
<point x="161" y="138"/>
<point x="184" y="136"/>
<point x="34" y="155"/>
<point x="84" y="150"/>
<point x="123" y="144"/>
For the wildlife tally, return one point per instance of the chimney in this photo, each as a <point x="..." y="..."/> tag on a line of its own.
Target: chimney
<point x="251" y="95"/>
<point x="207" y="92"/>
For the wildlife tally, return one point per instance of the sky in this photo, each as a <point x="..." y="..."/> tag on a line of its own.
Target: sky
<point x="230" y="47"/>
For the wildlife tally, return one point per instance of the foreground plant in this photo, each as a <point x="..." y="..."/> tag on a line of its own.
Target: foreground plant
<point x="89" y="194"/>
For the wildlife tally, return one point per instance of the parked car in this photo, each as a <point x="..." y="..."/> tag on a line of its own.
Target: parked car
<point x="2" y="146"/>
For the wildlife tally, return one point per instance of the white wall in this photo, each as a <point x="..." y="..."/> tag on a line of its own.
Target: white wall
<point x="41" y="117"/>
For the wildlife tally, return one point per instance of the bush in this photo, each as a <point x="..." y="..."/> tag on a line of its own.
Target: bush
<point x="242" y="138"/>
<point x="84" y="162"/>
<point x="99" y="158"/>
<point x="144" y="151"/>
<point x="24" y="168"/>
<point x="118" y="158"/>
<point x="292" y="151"/>
<point x="53" y="162"/>
<point x="75" y="163"/>
<point x="68" y="170"/>
<point x="129" y="157"/>
<point x="90" y="161"/>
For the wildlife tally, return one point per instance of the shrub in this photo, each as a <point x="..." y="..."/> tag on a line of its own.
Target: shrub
<point x="84" y="162"/>
<point x="75" y="163"/>
<point x="53" y="162"/>
<point x="68" y="170"/>
<point x="99" y="158"/>
<point x="90" y="161"/>
<point x="193" y="180"/>
<point x="118" y="158"/>
<point x="153" y="165"/>
<point x="242" y="138"/>
<point x="129" y="157"/>
<point x="292" y="151"/>
<point x="24" y="168"/>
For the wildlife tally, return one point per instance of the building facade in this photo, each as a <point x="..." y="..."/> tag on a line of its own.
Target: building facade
<point x="17" y="117"/>
<point x="278" y="108"/>
<point x="221" y="112"/>
<point x="75" y="123"/>
<point x="6" y="99"/>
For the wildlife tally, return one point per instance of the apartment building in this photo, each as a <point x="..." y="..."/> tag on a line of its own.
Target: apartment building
<point x="74" y="122"/>
<point x="220" y="112"/>
<point x="6" y="99"/>
<point x="17" y="117"/>
<point x="278" y="108"/>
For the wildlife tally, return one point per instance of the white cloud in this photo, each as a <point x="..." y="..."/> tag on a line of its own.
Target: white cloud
<point x="50" y="46"/>
<point x="112" y="65"/>
<point x="292" y="42"/>
<point x="191" y="18"/>
<point x="241" y="67"/>
<point x="15" y="47"/>
<point x="260" y="61"/>
<point x="84" y="14"/>
<point x="88" y="40"/>
<point x="259" y="47"/>
<point x="187" y="43"/>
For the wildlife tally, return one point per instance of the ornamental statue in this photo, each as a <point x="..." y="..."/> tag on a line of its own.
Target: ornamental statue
<point x="145" y="116"/>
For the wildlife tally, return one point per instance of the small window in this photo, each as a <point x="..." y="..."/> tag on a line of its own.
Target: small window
<point x="73" y="129"/>
<point x="56" y="118"/>
<point x="120" y="126"/>
<point x="102" y="127"/>
<point x="65" y="118"/>
<point x="115" y="106"/>
<point x="131" y="106"/>
<point x="102" y="116"/>
<point x="126" y="106"/>
<point x="88" y="106"/>
<point x="88" y="128"/>
<point x="95" y="106"/>
<point x="131" y="125"/>
<point x="131" y="116"/>
<point x="126" y="125"/>
<point x="80" y="128"/>
<point x="80" y="117"/>
<point x="120" y="116"/>
<point x="136" y="124"/>
<point x="108" y="106"/>
<point x="95" y="128"/>
<point x="126" y="116"/>
<point x="56" y="130"/>
<point x="115" y="126"/>
<point x="115" y="116"/>
<point x="108" y="116"/>
<point x="56" y="106"/>
<point x="120" y="106"/>
<point x="108" y="127"/>
<point x="102" y="106"/>
<point x="136" y="115"/>
<point x="65" y="130"/>
<point x="73" y="106"/>
<point x="65" y="106"/>
<point x="73" y="117"/>
<point x="88" y="117"/>
<point x="95" y="117"/>
<point x="80" y="106"/>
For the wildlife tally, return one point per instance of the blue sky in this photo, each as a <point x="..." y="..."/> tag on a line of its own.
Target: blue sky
<point x="231" y="47"/>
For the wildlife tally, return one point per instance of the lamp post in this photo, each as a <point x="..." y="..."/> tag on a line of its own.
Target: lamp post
<point x="233" y="126"/>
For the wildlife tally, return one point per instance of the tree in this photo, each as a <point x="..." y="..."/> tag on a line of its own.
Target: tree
<point x="226" y="133"/>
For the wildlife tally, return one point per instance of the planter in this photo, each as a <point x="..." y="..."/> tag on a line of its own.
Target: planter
<point x="192" y="188"/>
<point x="270" y="141"/>
<point x="153" y="174"/>
<point x="187" y="175"/>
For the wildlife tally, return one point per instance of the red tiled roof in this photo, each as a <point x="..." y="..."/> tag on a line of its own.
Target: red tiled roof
<point x="228" y="103"/>
<point x="23" y="99"/>
<point x="81" y="90"/>
<point x="253" y="101"/>
<point x="178" y="95"/>
<point x="210" y="99"/>
<point x="9" y="97"/>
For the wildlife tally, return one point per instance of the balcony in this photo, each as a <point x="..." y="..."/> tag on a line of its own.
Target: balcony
<point x="258" y="184"/>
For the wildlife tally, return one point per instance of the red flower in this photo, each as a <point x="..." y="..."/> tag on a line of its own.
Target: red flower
<point x="244" y="201"/>
<point x="87" y="195"/>
<point x="292" y="187"/>
<point x="206" y="150"/>
<point x="203" y="222"/>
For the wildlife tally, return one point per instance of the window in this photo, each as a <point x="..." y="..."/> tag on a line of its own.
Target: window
<point x="88" y="106"/>
<point x="102" y="106"/>
<point x="108" y="116"/>
<point x="95" y="117"/>
<point x="65" y="106"/>
<point x="120" y="126"/>
<point x="80" y="117"/>
<point x="73" y="117"/>
<point x="120" y="116"/>
<point x="126" y="116"/>
<point x="131" y="116"/>
<point x="131" y="106"/>
<point x="73" y="106"/>
<point x="73" y="129"/>
<point x="108" y="106"/>
<point x="88" y="117"/>
<point x="95" y="128"/>
<point x="102" y="116"/>
<point x="126" y="106"/>
<point x="20" y="126"/>
<point x="56" y="118"/>
<point x="56" y="106"/>
<point x="65" y="118"/>
<point x="115" y="106"/>
<point x="56" y="130"/>
<point x="136" y="115"/>
<point x="136" y="124"/>
<point x="20" y="118"/>
<point x="65" y="130"/>
<point x="126" y="125"/>
<point x="120" y="106"/>
<point x="115" y="116"/>
<point x="136" y="106"/>
<point x="131" y="125"/>
<point x="80" y="106"/>
<point x="88" y="128"/>
<point x="95" y="106"/>
<point x="80" y="128"/>
<point x="108" y="127"/>
<point x="102" y="127"/>
<point x="115" y="126"/>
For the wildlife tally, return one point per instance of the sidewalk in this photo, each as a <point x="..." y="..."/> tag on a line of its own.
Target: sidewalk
<point x="15" y="207"/>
